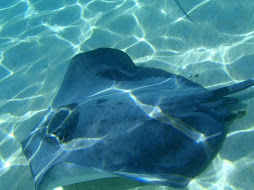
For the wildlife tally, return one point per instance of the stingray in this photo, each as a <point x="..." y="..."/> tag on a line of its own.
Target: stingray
<point x="111" y="118"/>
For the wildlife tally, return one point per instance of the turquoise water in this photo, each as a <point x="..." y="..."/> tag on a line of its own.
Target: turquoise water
<point x="38" y="38"/>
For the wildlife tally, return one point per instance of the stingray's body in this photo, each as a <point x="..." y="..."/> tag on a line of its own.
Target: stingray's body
<point x="111" y="118"/>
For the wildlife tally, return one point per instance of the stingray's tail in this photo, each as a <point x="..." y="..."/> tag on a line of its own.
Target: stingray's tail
<point x="184" y="12"/>
<point x="224" y="91"/>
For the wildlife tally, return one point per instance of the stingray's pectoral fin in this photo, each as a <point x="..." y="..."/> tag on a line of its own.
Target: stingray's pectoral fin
<point x="224" y="91"/>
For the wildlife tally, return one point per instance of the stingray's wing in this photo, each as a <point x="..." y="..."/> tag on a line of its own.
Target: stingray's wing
<point x="97" y="71"/>
<point x="83" y="77"/>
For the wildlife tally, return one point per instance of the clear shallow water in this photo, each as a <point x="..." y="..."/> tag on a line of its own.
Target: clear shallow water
<point x="38" y="39"/>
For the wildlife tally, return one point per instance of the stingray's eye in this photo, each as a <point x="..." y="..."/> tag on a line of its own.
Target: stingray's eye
<point x="65" y="137"/>
<point x="61" y="134"/>
<point x="58" y="133"/>
<point x="61" y="137"/>
<point x="56" y="121"/>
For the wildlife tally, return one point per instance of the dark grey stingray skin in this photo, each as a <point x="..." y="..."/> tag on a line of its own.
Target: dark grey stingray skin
<point x="112" y="118"/>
